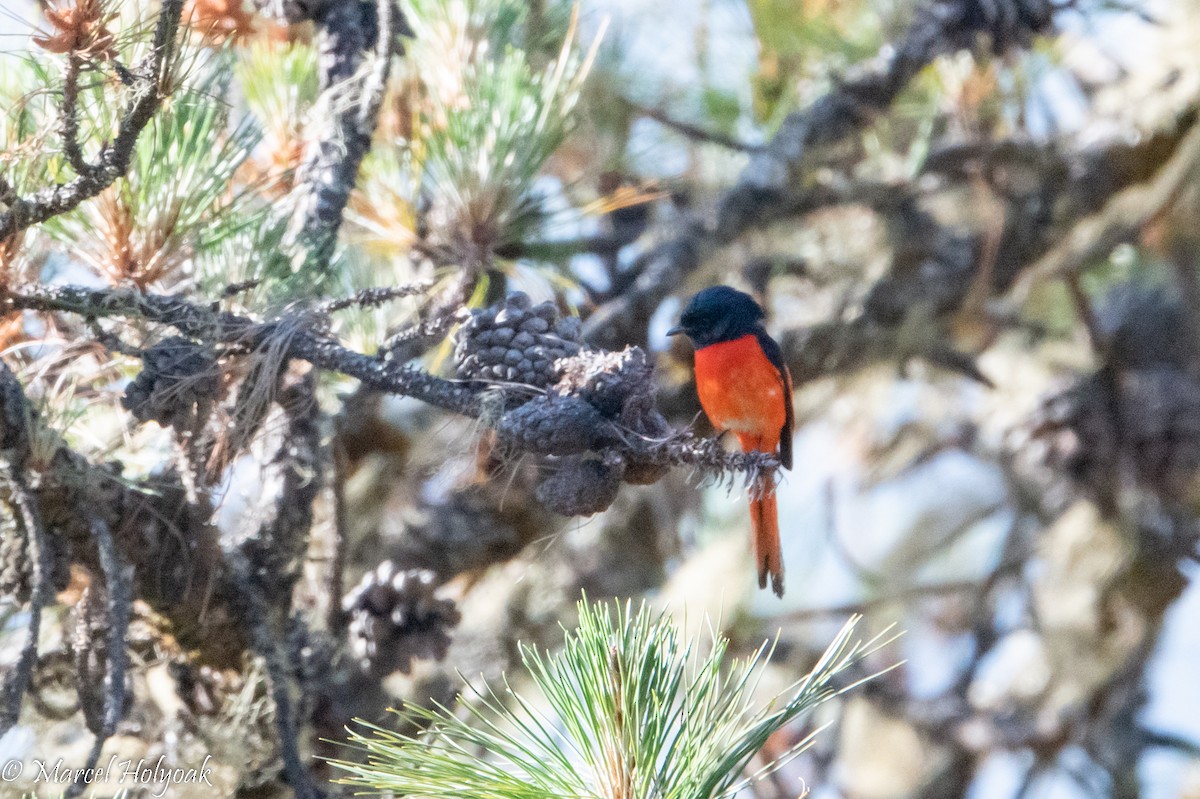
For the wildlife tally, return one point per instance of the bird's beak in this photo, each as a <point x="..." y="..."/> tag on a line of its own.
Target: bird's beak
<point x="675" y="331"/>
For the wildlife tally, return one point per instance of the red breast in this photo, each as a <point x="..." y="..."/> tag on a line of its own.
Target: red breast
<point x="741" y="390"/>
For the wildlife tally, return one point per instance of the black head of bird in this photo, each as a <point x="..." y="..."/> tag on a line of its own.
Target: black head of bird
<point x="717" y="314"/>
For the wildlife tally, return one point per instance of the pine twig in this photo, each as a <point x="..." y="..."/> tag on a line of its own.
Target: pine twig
<point x="259" y="615"/>
<point x="374" y="297"/>
<point x="440" y="315"/>
<point x="695" y="131"/>
<point x="69" y="126"/>
<point x="242" y="286"/>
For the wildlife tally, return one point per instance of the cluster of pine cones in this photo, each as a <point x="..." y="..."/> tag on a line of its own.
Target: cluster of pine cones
<point x="561" y="399"/>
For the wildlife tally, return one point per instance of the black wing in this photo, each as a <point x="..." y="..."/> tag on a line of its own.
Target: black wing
<point x="775" y="355"/>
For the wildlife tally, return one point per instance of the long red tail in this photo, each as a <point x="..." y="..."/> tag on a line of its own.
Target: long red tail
<point x="764" y="524"/>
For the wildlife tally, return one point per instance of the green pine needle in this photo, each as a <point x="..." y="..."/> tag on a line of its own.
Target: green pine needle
<point x="494" y="116"/>
<point x="26" y="161"/>
<point x="178" y="203"/>
<point x="629" y="711"/>
<point x="280" y="83"/>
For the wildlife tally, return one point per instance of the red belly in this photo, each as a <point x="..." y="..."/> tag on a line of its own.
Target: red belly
<point x="741" y="390"/>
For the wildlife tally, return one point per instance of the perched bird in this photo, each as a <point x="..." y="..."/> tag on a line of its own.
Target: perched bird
<point x="744" y="386"/>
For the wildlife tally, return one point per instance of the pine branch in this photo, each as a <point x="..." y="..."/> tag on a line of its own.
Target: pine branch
<point x="119" y="592"/>
<point x="15" y="441"/>
<point x="910" y="313"/>
<point x="114" y="158"/>
<point x="259" y="616"/>
<point x="167" y="540"/>
<point x="266" y="566"/>
<point x="351" y="102"/>
<point x="1122" y="218"/>
<point x="305" y="342"/>
<point x="764" y="193"/>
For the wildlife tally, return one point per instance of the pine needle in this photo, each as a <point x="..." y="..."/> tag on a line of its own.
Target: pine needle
<point x="630" y="711"/>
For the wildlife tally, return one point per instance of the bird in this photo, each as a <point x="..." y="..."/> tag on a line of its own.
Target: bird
<point x="744" y="388"/>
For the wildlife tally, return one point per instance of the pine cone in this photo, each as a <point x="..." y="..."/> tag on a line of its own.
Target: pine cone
<point x="606" y="380"/>
<point x="580" y="486"/>
<point x="179" y="379"/>
<point x="516" y="344"/>
<point x="551" y="425"/>
<point x="395" y="618"/>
